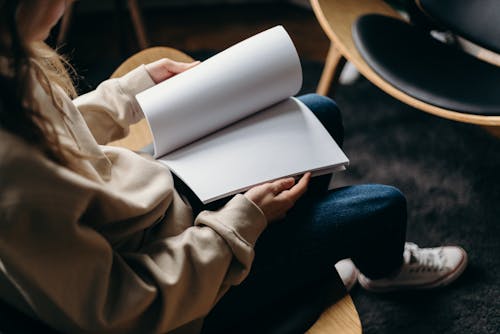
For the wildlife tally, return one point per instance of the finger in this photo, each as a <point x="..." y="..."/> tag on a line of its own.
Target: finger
<point x="299" y="189"/>
<point x="282" y="184"/>
<point x="176" y="67"/>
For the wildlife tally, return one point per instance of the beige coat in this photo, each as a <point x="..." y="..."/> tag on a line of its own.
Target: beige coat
<point x="114" y="249"/>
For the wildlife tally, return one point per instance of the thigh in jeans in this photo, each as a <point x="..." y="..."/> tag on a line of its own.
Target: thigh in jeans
<point x="365" y="222"/>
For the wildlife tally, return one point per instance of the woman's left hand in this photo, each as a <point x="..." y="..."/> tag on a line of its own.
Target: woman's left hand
<point x="276" y="198"/>
<point x="165" y="68"/>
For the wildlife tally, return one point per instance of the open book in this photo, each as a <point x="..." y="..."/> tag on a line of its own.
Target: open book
<point x="231" y="122"/>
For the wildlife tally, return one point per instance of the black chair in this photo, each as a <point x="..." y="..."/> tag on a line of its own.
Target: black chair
<point x="477" y="21"/>
<point x="403" y="59"/>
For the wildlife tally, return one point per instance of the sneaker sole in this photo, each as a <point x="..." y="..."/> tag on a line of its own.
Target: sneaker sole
<point x="441" y="282"/>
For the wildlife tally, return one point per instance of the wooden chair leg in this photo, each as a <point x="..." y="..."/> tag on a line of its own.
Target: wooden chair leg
<point x="136" y="16"/>
<point x="331" y="72"/>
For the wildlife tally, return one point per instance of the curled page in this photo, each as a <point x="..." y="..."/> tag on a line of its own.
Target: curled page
<point x="244" y="79"/>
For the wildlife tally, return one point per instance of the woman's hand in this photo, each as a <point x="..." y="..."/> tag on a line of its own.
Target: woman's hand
<point x="276" y="198"/>
<point x="165" y="68"/>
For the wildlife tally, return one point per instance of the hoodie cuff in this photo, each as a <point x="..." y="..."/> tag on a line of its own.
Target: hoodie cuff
<point x="240" y="221"/>
<point x="136" y="81"/>
<point x="132" y="84"/>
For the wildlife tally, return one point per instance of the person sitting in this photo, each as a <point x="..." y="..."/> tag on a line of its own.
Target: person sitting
<point x="95" y="238"/>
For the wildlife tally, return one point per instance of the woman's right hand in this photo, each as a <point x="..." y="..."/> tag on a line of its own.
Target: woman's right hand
<point x="277" y="197"/>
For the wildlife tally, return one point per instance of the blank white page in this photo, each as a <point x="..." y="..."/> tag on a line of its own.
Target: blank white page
<point x="284" y="140"/>
<point x="235" y="83"/>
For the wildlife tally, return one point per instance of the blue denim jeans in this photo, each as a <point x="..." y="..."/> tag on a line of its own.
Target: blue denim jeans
<point x="366" y="223"/>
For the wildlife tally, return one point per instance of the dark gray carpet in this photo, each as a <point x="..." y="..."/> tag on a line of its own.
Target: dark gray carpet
<point x="449" y="173"/>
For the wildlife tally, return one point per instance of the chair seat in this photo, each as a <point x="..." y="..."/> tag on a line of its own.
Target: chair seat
<point x="426" y="69"/>
<point x="478" y="21"/>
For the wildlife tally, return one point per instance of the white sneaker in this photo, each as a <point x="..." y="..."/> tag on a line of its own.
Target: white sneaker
<point x="347" y="272"/>
<point x="423" y="268"/>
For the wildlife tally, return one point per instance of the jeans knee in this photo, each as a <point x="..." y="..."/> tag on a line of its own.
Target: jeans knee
<point x="393" y="197"/>
<point x="327" y="112"/>
<point x="320" y="103"/>
<point x="384" y="198"/>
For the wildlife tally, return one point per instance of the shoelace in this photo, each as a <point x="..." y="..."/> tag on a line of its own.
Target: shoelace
<point x="424" y="260"/>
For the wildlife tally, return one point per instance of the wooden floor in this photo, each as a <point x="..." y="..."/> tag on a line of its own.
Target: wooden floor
<point x="94" y="36"/>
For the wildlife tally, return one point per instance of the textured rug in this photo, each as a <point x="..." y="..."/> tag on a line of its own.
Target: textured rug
<point x="449" y="174"/>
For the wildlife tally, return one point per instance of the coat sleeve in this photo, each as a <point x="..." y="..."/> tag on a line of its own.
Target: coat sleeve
<point x="73" y="279"/>
<point x="111" y="108"/>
